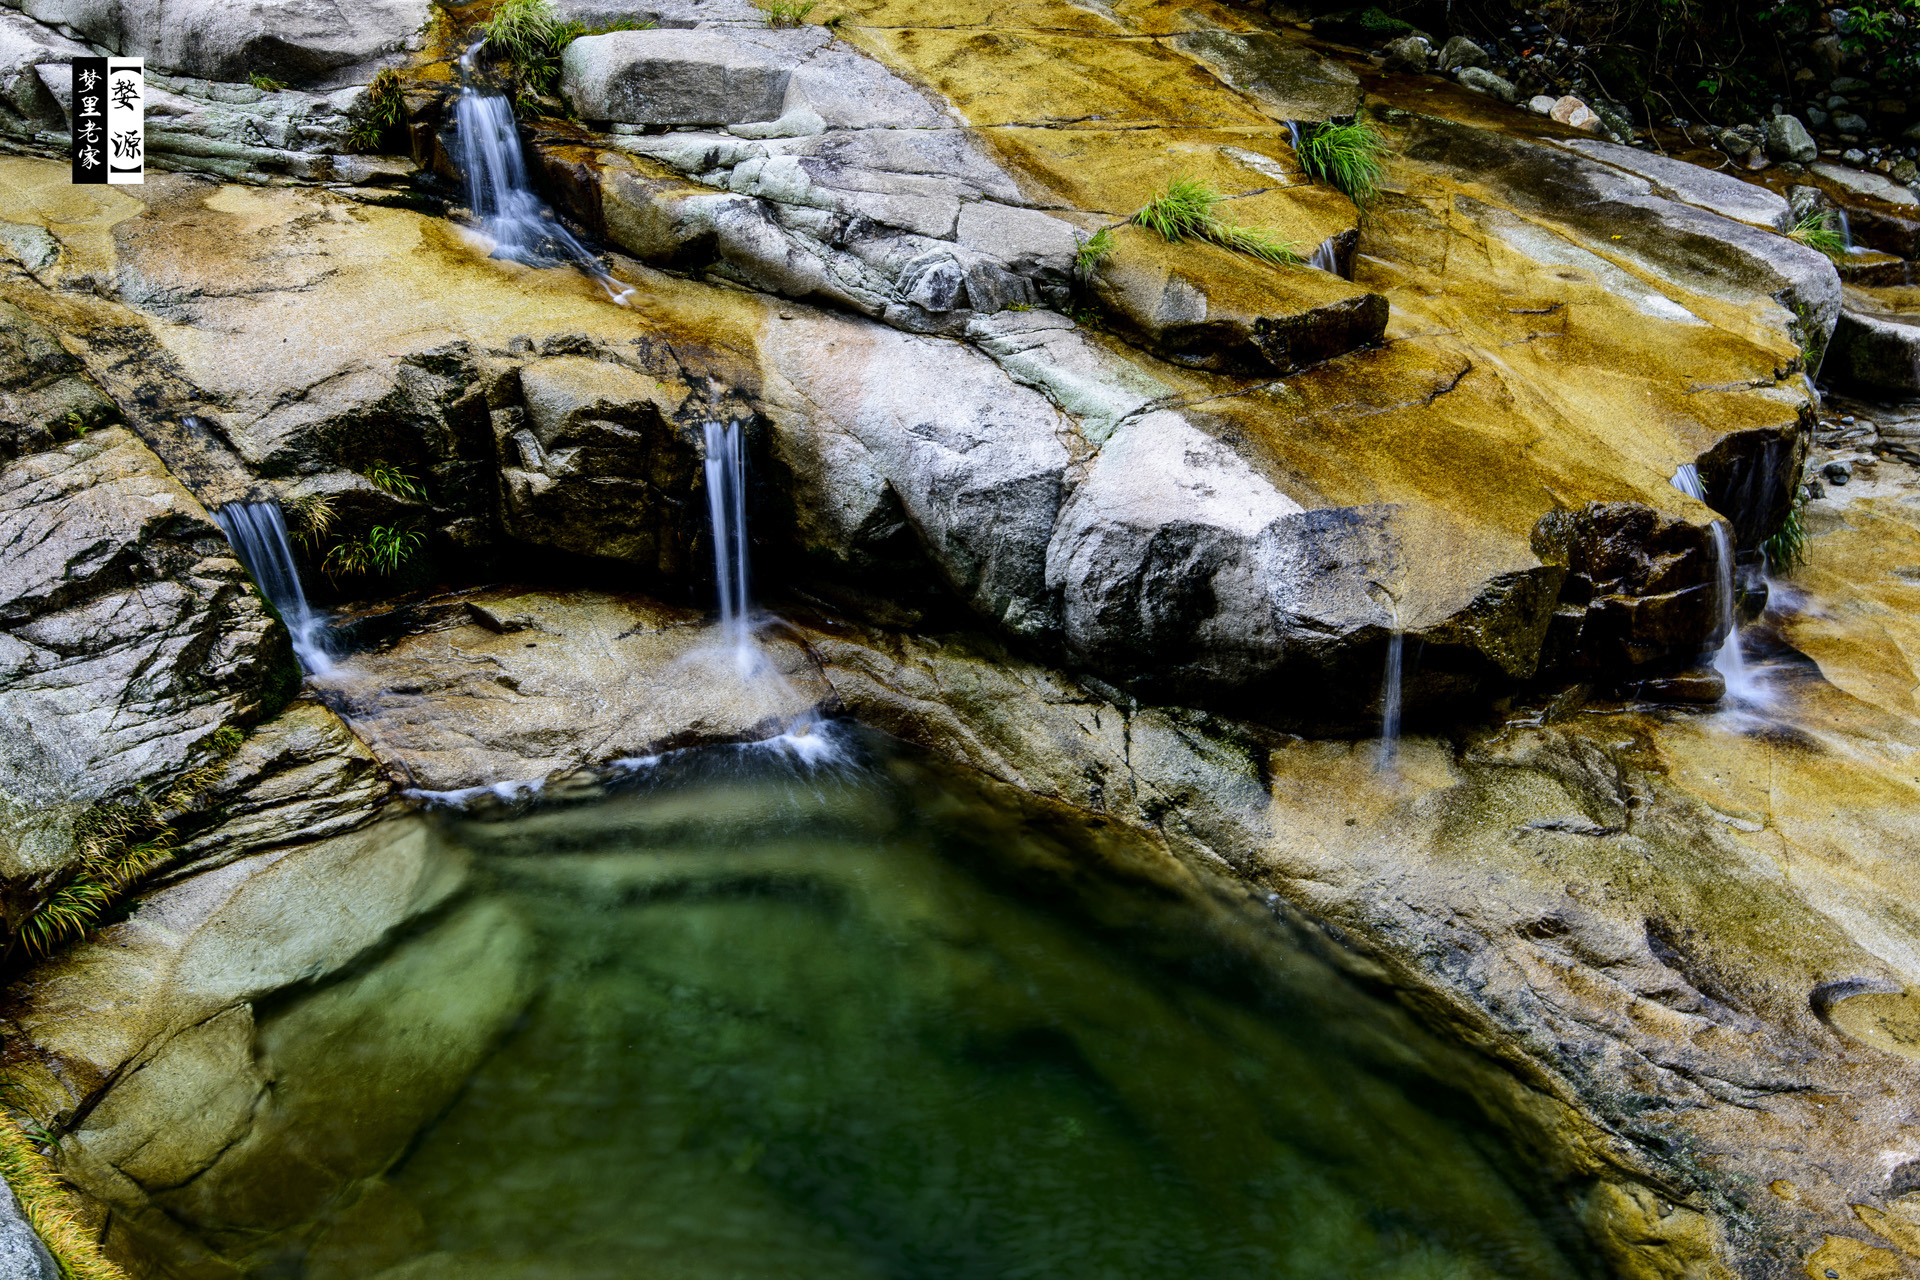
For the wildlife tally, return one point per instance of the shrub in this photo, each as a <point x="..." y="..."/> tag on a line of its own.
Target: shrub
<point x="1344" y="156"/>
<point x="1186" y="210"/>
<point x="386" y="112"/>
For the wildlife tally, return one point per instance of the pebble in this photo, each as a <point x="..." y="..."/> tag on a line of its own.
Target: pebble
<point x="1847" y="421"/>
<point x="1837" y="473"/>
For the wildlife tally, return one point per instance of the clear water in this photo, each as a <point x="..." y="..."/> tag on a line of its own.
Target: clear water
<point x="869" y="1022"/>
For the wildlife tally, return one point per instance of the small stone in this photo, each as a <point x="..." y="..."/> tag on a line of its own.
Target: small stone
<point x="1563" y="109"/>
<point x="1837" y="473"/>
<point x="1850" y="84"/>
<point x="1409" y="53"/>
<point x="1817" y="118"/>
<point x="1788" y="139"/>
<point x="1540" y="104"/>
<point x="1847" y="421"/>
<point x="1480" y="80"/>
<point x="1853" y="155"/>
<point x="1815" y="490"/>
<point x="1460" y="52"/>
<point x="1847" y="122"/>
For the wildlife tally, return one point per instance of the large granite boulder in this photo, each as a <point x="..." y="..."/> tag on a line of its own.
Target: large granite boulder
<point x="716" y="76"/>
<point x="312" y="43"/>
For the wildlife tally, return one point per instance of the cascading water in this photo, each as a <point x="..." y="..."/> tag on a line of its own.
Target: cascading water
<point x="499" y="193"/>
<point x="726" y="468"/>
<point x="1325" y="258"/>
<point x="1390" y="701"/>
<point x="1730" y="662"/>
<point x="258" y="533"/>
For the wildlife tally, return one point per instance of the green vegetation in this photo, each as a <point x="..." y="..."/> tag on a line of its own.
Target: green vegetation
<point x="1087" y="257"/>
<point x="310" y="516"/>
<point x="382" y="550"/>
<point x="1786" y="550"/>
<point x="1814" y="232"/>
<point x="786" y="13"/>
<point x="1187" y="210"/>
<point x="118" y="844"/>
<point x="50" y="1205"/>
<point x="528" y="36"/>
<point x="1344" y="156"/>
<point x="393" y="480"/>
<point x="264" y="83"/>
<point x="385" y="115"/>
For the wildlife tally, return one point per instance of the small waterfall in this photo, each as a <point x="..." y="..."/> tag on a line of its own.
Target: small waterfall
<point x="1293" y="131"/>
<point x="1730" y="662"/>
<point x="1324" y="258"/>
<point x="1845" y="228"/>
<point x="500" y="194"/>
<point x="1390" y="702"/>
<point x="258" y="533"/>
<point x="726" y="467"/>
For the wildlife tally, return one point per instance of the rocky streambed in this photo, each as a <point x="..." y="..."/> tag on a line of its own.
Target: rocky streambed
<point x="1126" y="538"/>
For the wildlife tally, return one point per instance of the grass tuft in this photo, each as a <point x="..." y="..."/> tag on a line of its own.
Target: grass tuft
<point x="1346" y="157"/>
<point x="1086" y="259"/>
<point x="264" y="83"/>
<point x="1786" y="549"/>
<point x="312" y="515"/>
<point x="386" y="112"/>
<point x="382" y="550"/>
<point x="1186" y="210"/>
<point x="786" y="13"/>
<point x="529" y="36"/>
<point x="393" y="480"/>
<point x="49" y="1204"/>
<point x="1814" y="232"/>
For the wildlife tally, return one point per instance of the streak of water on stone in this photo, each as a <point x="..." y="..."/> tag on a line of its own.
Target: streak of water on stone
<point x="1390" y="701"/>
<point x="1743" y="684"/>
<point x="501" y="197"/>
<point x="258" y="534"/>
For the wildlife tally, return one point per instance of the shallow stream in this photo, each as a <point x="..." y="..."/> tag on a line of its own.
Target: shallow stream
<point x="864" y="1019"/>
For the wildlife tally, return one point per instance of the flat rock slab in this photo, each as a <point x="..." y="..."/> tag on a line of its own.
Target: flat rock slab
<point x="515" y="687"/>
<point x="1875" y="351"/>
<point x="1864" y="182"/>
<point x="1690" y="184"/>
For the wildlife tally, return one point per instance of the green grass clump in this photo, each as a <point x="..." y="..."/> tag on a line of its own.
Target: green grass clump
<point x="1814" y="232"/>
<point x="310" y="517"/>
<point x="1344" y="156"/>
<point x="528" y="37"/>
<point x="393" y="480"/>
<point x="264" y="83"/>
<point x="382" y="550"/>
<point x="787" y="13"/>
<point x="1087" y="257"/>
<point x="1786" y="550"/>
<point x="1187" y="210"/>
<point x="50" y="1204"/>
<point x="386" y="112"/>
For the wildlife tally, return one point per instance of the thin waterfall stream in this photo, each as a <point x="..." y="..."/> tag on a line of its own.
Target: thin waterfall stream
<point x="500" y="195"/>
<point x="726" y="471"/>
<point x="258" y="534"/>
<point x="1743" y="685"/>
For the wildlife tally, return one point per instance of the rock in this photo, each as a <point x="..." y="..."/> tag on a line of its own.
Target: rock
<point x="578" y="677"/>
<point x="595" y="464"/>
<point x="1409" y="53"/>
<point x="1564" y="109"/>
<point x="1481" y="80"/>
<point x="307" y="43"/>
<point x="1459" y="52"/>
<point x="1845" y="122"/>
<point x="1837" y="473"/>
<point x="22" y="1256"/>
<point x="1817" y="118"/>
<point x="1207" y="307"/>
<point x="1287" y="78"/>
<point x="28" y="105"/>
<point x="45" y="395"/>
<point x="1702" y="685"/>
<point x="1865" y="182"/>
<point x="1788" y="139"/>
<point x="1541" y="104"/>
<point x="1875" y="350"/>
<point x="1703" y="188"/>
<point x="1827" y="54"/>
<point x="128" y="636"/>
<point x="1850" y="84"/>
<point x="711" y="77"/>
